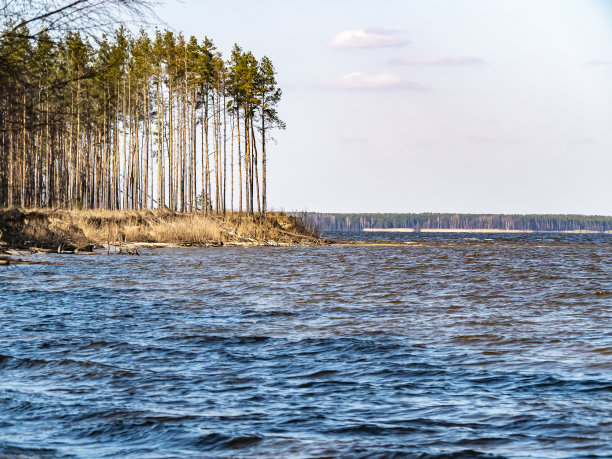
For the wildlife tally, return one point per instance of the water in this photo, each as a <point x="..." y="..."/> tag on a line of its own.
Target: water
<point x="442" y="346"/>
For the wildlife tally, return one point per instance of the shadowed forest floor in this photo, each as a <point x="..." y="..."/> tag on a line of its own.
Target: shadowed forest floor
<point x="83" y="230"/>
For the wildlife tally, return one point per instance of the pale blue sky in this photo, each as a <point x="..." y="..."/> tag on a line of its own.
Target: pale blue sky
<point x="430" y="105"/>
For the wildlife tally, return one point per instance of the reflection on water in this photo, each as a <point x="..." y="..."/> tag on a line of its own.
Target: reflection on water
<point x="499" y="345"/>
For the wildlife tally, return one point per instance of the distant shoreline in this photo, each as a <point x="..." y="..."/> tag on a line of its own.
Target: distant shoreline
<point x="450" y="223"/>
<point x="474" y="230"/>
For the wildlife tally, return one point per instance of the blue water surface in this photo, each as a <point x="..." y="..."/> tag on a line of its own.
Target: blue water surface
<point x="422" y="346"/>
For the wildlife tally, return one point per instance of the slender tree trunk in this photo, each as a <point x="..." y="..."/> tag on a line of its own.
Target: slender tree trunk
<point x="239" y="140"/>
<point x="203" y="121"/>
<point x="215" y="103"/>
<point x="224" y="155"/>
<point x="48" y="156"/>
<point x="78" y="198"/>
<point x="207" y="194"/>
<point x="123" y="172"/>
<point x="147" y="133"/>
<point x="256" y="168"/>
<point x="11" y="166"/>
<point x="161" y="200"/>
<point x="23" y="158"/>
<point x="263" y="158"/>
<point x="247" y="163"/>
<point x="170" y="148"/>
<point x="232" y="160"/>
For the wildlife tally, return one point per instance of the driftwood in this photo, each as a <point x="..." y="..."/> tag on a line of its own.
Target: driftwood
<point x="223" y="228"/>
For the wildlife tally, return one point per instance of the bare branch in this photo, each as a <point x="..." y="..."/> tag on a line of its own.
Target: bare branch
<point x="92" y="17"/>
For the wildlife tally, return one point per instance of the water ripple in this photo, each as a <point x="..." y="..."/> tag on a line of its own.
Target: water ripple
<point x="439" y="347"/>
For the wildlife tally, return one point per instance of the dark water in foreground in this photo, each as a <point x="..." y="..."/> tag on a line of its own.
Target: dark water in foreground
<point x="492" y="344"/>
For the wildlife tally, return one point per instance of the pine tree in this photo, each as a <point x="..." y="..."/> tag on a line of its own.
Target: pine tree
<point x="269" y="97"/>
<point x="116" y="125"/>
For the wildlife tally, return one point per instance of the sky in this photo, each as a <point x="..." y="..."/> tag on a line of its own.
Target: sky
<point x="473" y="106"/>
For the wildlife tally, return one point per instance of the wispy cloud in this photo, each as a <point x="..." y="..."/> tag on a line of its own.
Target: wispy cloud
<point x="438" y="61"/>
<point x="492" y="140"/>
<point x="379" y="81"/>
<point x="582" y="141"/>
<point x="371" y="37"/>
<point x="597" y="62"/>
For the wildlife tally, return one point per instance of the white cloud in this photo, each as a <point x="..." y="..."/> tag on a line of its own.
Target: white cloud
<point x="379" y="81"/>
<point x="357" y="80"/>
<point x="438" y="61"/>
<point x="495" y="141"/>
<point x="372" y="37"/>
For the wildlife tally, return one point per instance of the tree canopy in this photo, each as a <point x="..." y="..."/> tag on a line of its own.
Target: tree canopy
<point x="132" y="121"/>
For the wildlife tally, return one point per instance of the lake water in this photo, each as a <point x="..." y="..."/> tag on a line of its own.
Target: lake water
<point x="441" y="346"/>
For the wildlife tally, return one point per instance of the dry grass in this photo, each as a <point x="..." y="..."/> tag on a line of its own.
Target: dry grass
<point x="147" y="226"/>
<point x="50" y="228"/>
<point x="192" y="229"/>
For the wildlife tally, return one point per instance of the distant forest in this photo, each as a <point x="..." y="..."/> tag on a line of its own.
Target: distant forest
<point x="358" y="222"/>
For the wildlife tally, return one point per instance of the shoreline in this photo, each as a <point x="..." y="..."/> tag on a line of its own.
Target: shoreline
<point x="125" y="231"/>
<point x="475" y="230"/>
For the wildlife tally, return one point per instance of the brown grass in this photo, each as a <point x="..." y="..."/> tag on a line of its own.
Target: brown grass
<point x="73" y="228"/>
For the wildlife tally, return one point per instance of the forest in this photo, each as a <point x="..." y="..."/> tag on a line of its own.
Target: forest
<point x="330" y="222"/>
<point x="133" y="121"/>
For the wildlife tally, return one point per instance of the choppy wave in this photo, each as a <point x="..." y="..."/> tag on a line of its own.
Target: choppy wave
<point x="488" y="346"/>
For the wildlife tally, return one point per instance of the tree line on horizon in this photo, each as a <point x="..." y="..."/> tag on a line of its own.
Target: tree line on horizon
<point x="342" y="222"/>
<point x="133" y="122"/>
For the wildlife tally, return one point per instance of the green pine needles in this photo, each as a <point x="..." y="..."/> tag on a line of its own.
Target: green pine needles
<point x="133" y="122"/>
